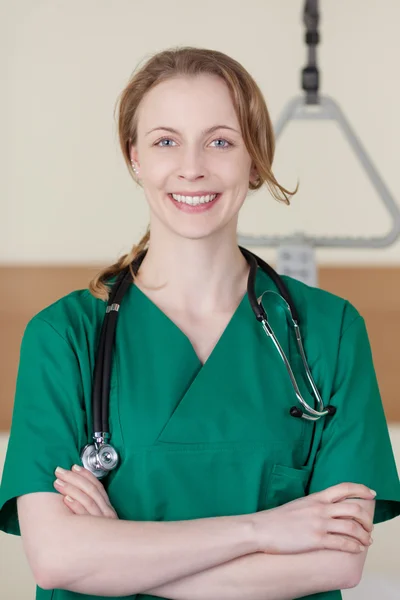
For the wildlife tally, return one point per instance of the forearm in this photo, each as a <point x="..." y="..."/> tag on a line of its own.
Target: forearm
<point x="108" y="557"/>
<point x="262" y="576"/>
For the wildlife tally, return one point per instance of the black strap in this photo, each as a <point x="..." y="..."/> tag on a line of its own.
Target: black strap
<point x="310" y="73"/>
<point x="111" y="317"/>
<point x="102" y="370"/>
<point x="99" y="364"/>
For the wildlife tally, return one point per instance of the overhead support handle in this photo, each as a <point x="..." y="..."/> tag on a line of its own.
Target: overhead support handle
<point x="326" y="108"/>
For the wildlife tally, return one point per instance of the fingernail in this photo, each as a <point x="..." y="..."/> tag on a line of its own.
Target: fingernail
<point x="58" y="482"/>
<point x="373" y="492"/>
<point x="60" y="470"/>
<point x="68" y="498"/>
<point x="371" y="540"/>
<point x="76" y="468"/>
<point x="362" y="548"/>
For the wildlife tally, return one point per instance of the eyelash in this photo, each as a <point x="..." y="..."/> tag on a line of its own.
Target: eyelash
<point x="217" y="139"/>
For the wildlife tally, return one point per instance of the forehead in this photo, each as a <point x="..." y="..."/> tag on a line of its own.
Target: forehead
<point x="187" y="103"/>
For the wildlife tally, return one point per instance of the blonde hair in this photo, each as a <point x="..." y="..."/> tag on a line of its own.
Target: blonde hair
<point x="251" y="111"/>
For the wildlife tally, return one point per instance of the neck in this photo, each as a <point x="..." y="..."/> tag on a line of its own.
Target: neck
<point x="197" y="276"/>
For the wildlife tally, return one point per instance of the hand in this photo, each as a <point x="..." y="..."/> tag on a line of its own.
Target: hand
<point x="87" y="493"/>
<point x="324" y="520"/>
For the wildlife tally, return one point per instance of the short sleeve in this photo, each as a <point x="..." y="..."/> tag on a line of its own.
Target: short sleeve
<point x="355" y="444"/>
<point x="48" y="421"/>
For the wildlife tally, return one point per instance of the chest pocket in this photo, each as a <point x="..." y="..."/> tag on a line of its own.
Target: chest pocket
<point x="169" y="482"/>
<point x="286" y="484"/>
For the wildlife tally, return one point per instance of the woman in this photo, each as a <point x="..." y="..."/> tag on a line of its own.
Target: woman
<point x="219" y="491"/>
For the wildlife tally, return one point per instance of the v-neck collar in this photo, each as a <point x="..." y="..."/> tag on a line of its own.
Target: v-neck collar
<point x="243" y="360"/>
<point x="171" y="324"/>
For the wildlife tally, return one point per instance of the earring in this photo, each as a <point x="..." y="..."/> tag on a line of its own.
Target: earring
<point x="134" y="168"/>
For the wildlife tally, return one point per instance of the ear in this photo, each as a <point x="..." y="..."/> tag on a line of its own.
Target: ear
<point x="134" y="155"/>
<point x="254" y="176"/>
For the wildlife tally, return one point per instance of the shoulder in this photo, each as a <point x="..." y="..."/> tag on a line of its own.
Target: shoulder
<point x="333" y="332"/>
<point x="320" y="308"/>
<point x="72" y="317"/>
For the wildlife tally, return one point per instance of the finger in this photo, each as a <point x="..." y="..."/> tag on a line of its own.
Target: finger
<point x="77" y="508"/>
<point x="83" y="472"/>
<point x="89" y="485"/>
<point x="351" y="529"/>
<point x="350" y="510"/>
<point x="74" y="506"/>
<point x="332" y="541"/>
<point x="89" y="504"/>
<point x="92" y="498"/>
<point x="341" y="491"/>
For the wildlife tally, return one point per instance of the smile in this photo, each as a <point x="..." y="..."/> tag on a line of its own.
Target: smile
<point x="193" y="200"/>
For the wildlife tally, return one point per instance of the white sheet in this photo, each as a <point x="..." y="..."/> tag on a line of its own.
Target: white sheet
<point x="375" y="587"/>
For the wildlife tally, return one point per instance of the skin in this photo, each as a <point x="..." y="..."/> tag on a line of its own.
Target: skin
<point x="193" y="260"/>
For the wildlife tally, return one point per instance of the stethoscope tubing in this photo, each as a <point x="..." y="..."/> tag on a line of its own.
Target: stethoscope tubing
<point x="103" y="361"/>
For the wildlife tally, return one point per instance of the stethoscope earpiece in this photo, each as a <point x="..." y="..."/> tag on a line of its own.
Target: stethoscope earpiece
<point x="254" y="261"/>
<point x="295" y="412"/>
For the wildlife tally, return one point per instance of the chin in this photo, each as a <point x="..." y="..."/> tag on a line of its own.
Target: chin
<point x="194" y="233"/>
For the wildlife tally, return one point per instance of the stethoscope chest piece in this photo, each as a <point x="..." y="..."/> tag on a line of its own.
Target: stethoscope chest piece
<point x="99" y="460"/>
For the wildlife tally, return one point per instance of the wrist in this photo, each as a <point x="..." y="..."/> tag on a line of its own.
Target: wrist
<point x="248" y="533"/>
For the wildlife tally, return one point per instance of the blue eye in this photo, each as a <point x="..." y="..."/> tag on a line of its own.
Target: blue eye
<point x="223" y="140"/>
<point x="165" y="139"/>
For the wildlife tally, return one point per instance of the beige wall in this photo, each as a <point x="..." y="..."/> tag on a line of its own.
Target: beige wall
<point x="66" y="185"/>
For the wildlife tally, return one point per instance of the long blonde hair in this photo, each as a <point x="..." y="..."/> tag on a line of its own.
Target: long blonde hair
<point x="251" y="111"/>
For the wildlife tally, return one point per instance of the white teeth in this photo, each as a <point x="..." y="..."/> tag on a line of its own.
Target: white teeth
<point x="194" y="200"/>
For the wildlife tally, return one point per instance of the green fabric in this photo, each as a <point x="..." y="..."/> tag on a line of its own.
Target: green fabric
<point x="200" y="441"/>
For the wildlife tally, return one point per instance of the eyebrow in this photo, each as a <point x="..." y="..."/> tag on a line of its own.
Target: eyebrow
<point x="204" y="132"/>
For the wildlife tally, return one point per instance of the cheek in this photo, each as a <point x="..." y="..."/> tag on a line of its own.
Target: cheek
<point x="233" y="174"/>
<point x="154" y="199"/>
<point x="159" y="167"/>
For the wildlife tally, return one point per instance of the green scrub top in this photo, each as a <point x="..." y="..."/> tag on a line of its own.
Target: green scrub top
<point x="200" y="440"/>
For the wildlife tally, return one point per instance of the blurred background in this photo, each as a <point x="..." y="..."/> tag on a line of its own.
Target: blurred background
<point x="69" y="207"/>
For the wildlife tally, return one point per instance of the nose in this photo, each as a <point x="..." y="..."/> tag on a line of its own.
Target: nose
<point x="192" y="166"/>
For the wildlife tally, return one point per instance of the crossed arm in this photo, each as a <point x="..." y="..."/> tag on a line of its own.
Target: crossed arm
<point x="262" y="576"/>
<point x="269" y="577"/>
<point x="200" y="559"/>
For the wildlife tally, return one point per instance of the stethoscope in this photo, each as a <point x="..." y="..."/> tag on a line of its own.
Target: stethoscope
<point x="101" y="457"/>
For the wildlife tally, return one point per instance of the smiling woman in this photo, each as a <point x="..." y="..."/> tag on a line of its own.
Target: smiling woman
<point x="218" y="492"/>
<point x="221" y="136"/>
